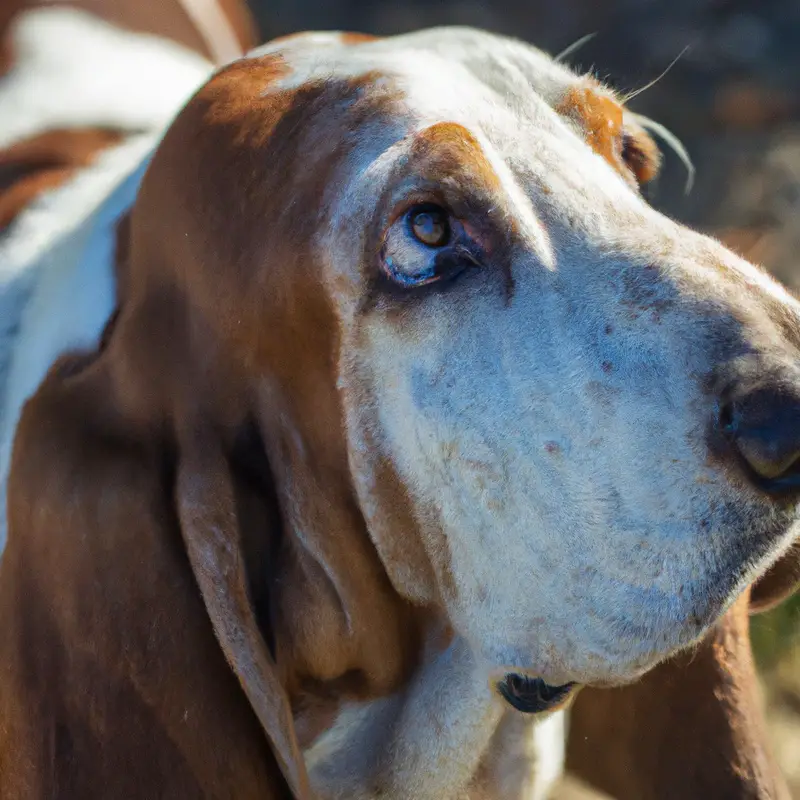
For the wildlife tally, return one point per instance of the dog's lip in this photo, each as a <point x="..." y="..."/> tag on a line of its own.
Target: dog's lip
<point x="533" y="695"/>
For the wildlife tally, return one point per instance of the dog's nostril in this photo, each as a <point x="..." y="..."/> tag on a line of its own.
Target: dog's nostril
<point x="766" y="457"/>
<point x="764" y="427"/>
<point x="726" y="418"/>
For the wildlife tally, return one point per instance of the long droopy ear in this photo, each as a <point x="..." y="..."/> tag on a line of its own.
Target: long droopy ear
<point x="207" y="509"/>
<point x="112" y="683"/>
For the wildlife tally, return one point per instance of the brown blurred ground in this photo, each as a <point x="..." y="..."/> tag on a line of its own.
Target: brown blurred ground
<point x="734" y="100"/>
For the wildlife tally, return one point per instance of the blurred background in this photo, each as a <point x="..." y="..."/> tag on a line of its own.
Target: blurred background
<point x="733" y="98"/>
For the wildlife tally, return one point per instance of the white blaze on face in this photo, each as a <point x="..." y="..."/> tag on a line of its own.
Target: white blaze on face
<point x="547" y="413"/>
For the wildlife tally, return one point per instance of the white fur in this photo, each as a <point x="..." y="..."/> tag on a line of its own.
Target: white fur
<point x="440" y="738"/>
<point x="549" y="754"/>
<point x="57" y="278"/>
<point x="71" y="69"/>
<point x="448" y="695"/>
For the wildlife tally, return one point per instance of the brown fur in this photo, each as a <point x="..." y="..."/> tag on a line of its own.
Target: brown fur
<point x="163" y="458"/>
<point x="640" y="153"/>
<point x="36" y="165"/>
<point x="625" y="145"/>
<point x="113" y="684"/>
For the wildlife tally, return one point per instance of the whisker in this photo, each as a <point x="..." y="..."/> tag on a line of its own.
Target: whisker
<point x="637" y="92"/>
<point x="673" y="142"/>
<point x="576" y="45"/>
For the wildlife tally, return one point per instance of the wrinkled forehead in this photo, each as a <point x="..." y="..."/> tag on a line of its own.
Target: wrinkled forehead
<point x="531" y="123"/>
<point x="502" y="90"/>
<point x="440" y="70"/>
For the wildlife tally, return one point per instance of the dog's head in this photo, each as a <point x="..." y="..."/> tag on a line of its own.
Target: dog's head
<point x="564" y="420"/>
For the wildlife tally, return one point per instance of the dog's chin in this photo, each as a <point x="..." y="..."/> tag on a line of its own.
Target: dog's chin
<point x="533" y="683"/>
<point x="533" y="686"/>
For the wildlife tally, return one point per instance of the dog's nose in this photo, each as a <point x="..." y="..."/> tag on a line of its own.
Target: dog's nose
<point x="764" y="427"/>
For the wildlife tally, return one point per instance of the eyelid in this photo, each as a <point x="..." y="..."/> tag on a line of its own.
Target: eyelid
<point x="421" y="198"/>
<point x="438" y="264"/>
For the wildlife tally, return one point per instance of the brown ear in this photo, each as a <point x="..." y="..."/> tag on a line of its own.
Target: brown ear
<point x="209" y="517"/>
<point x="779" y="583"/>
<point x="112" y="683"/>
<point x="639" y="151"/>
<point x="692" y="727"/>
<point x="612" y="131"/>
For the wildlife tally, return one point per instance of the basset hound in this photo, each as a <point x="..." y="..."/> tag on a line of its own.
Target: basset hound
<point x="413" y="419"/>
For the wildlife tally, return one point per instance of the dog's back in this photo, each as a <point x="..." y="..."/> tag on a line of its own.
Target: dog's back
<point x="82" y="103"/>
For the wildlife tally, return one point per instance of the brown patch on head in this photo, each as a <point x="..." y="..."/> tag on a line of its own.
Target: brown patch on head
<point x="232" y="99"/>
<point x="241" y="124"/>
<point x="451" y="148"/>
<point x="450" y="157"/>
<point x="626" y="146"/>
<point x="447" y="166"/>
<point x="601" y="119"/>
<point x="351" y="37"/>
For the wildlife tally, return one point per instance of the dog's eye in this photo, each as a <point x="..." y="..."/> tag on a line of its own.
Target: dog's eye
<point x="430" y="225"/>
<point x="425" y="245"/>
